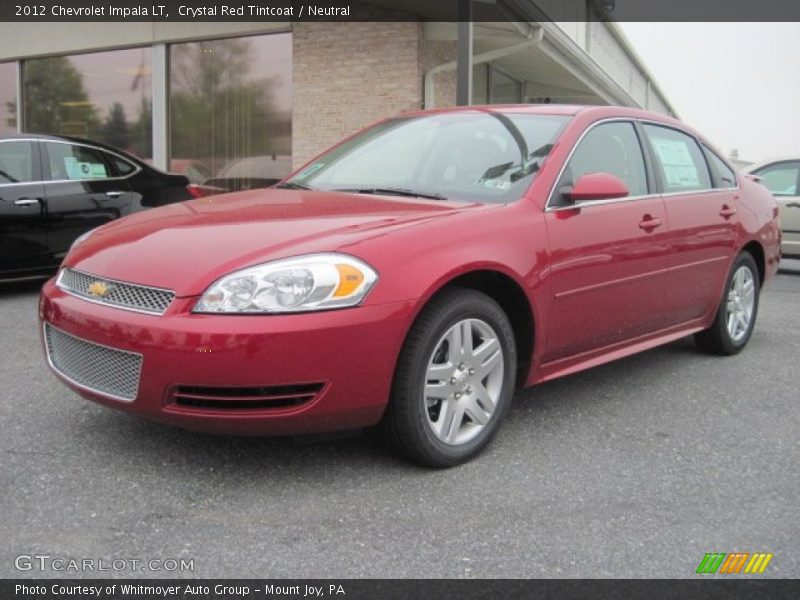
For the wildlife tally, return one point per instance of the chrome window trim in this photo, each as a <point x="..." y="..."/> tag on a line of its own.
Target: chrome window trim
<point x="590" y="203"/>
<point x="136" y="170"/>
<point x="550" y="208"/>
<point x="142" y="311"/>
<point x="86" y="387"/>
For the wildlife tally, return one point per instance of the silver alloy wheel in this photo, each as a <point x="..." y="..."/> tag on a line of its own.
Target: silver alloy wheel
<point x="463" y="381"/>
<point x="741" y="301"/>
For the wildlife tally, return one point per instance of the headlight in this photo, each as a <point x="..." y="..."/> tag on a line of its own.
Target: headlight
<point x="304" y="283"/>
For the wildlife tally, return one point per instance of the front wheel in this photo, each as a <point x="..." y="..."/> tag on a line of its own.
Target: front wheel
<point x="737" y="312"/>
<point x="454" y="379"/>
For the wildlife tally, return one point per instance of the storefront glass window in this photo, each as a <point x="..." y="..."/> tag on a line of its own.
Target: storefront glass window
<point x="480" y="84"/>
<point x="102" y="96"/>
<point x="231" y="110"/>
<point x="8" y="98"/>
<point x="504" y="89"/>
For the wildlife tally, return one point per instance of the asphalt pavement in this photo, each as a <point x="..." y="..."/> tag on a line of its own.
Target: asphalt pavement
<point x="633" y="469"/>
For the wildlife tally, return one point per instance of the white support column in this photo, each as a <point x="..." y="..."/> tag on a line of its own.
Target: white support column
<point x="161" y="106"/>
<point x="19" y="96"/>
<point x="464" y="54"/>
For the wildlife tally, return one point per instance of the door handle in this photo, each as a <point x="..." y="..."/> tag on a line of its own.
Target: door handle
<point x="114" y="194"/>
<point x="793" y="205"/>
<point x="649" y="223"/>
<point x="727" y="212"/>
<point x="27" y="201"/>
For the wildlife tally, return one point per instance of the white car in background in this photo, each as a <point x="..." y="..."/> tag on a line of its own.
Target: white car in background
<point x="782" y="177"/>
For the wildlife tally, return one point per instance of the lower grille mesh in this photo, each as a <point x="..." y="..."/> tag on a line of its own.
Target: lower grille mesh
<point x="98" y="368"/>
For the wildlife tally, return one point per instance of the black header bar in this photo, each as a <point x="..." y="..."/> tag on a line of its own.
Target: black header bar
<point x="397" y="10"/>
<point x="736" y="588"/>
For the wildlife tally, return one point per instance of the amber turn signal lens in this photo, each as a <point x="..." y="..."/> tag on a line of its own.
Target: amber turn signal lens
<point x="349" y="280"/>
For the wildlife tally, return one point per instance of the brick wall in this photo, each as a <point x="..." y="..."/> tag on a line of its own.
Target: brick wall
<point x="434" y="53"/>
<point x="347" y="75"/>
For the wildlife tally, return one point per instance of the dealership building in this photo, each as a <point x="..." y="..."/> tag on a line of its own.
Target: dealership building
<point x="245" y="98"/>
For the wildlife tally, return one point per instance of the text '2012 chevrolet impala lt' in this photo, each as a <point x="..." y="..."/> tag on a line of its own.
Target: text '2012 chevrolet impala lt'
<point x="415" y="275"/>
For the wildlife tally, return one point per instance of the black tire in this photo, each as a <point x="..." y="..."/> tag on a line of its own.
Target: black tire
<point x="406" y="422"/>
<point x="717" y="339"/>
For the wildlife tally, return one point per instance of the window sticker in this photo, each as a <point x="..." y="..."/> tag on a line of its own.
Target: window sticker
<point x="495" y="184"/>
<point x="84" y="170"/>
<point x="679" y="168"/>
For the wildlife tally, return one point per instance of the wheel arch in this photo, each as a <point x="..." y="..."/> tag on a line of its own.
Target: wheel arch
<point x="509" y="293"/>
<point x="756" y="250"/>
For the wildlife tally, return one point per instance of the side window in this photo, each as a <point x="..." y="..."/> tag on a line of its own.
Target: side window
<point x="71" y="161"/>
<point x="780" y="178"/>
<point x="16" y="162"/>
<point x="120" y="165"/>
<point x="609" y="148"/>
<point x="727" y="178"/>
<point x="679" y="159"/>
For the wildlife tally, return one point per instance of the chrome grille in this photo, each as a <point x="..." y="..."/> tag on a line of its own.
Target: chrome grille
<point x="97" y="368"/>
<point x="120" y="294"/>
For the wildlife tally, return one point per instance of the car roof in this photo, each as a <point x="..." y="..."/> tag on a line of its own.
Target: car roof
<point x="546" y="109"/>
<point x="78" y="140"/>
<point x="41" y="136"/>
<point x="771" y="161"/>
<point x="589" y="112"/>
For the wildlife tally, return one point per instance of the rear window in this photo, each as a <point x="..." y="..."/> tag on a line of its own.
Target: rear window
<point x="781" y="178"/>
<point x="76" y="162"/>
<point x="679" y="160"/>
<point x="121" y="166"/>
<point x="725" y="175"/>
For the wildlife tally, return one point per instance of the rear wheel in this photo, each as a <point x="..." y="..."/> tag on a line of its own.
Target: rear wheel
<point x="737" y="311"/>
<point x="454" y="379"/>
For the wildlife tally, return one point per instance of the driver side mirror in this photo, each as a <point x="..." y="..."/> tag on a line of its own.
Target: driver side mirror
<point x="596" y="186"/>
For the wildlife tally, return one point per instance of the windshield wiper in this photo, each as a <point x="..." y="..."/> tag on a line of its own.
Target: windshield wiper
<point x="393" y="192"/>
<point x="293" y="185"/>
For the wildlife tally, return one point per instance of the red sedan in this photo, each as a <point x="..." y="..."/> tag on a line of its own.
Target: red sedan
<point x="415" y="275"/>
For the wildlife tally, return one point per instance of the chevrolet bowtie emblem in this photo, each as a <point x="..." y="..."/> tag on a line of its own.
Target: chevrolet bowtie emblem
<point x="99" y="289"/>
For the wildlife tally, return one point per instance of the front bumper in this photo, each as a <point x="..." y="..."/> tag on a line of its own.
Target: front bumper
<point x="348" y="354"/>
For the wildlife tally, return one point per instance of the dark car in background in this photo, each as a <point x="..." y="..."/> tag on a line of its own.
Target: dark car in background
<point x="54" y="189"/>
<point x="250" y="173"/>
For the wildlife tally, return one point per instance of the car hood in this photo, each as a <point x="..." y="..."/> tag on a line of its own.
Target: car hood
<point x="186" y="246"/>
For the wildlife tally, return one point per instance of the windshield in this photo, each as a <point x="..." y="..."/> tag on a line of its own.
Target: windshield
<point x="480" y="156"/>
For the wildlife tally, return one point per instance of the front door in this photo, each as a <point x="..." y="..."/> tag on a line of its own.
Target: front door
<point x="23" y="245"/>
<point x="607" y="256"/>
<point x="82" y="192"/>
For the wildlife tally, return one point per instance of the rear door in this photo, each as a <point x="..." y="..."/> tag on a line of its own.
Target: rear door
<point x="607" y="256"/>
<point x="783" y="180"/>
<point x="83" y="191"/>
<point x="23" y="245"/>
<point x="701" y="207"/>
